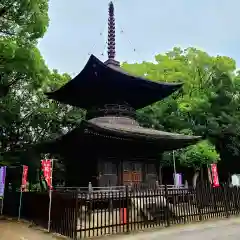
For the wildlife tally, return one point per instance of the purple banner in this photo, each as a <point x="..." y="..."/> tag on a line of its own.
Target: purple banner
<point x="2" y="180"/>
<point x="180" y="179"/>
<point x="177" y="179"/>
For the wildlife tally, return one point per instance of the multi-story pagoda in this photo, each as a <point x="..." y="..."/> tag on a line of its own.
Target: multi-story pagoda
<point x="110" y="147"/>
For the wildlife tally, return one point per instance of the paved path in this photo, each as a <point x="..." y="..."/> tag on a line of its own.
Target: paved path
<point x="228" y="229"/>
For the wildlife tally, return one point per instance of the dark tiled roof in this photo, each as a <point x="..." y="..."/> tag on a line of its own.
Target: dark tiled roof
<point x="123" y="128"/>
<point x="101" y="83"/>
<point x="129" y="128"/>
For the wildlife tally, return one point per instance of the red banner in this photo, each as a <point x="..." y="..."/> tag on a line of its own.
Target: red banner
<point x="215" y="175"/>
<point x="24" y="178"/>
<point x="47" y="171"/>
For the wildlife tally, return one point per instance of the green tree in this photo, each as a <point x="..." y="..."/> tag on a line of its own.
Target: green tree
<point x="199" y="155"/>
<point x="22" y="22"/>
<point x="25" y="18"/>
<point x="23" y="69"/>
<point x="21" y="64"/>
<point x="208" y="104"/>
<point x="29" y="117"/>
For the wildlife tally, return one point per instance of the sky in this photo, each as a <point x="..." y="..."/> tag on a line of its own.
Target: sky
<point x="78" y="28"/>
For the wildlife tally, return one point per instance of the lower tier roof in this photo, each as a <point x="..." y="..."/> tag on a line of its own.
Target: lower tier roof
<point x="120" y="128"/>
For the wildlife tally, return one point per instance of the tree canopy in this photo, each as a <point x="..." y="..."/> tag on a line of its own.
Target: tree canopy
<point x="22" y="23"/>
<point x="207" y="105"/>
<point x="27" y="19"/>
<point x="27" y="116"/>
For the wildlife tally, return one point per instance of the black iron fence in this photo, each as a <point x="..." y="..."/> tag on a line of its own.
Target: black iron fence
<point x="87" y="214"/>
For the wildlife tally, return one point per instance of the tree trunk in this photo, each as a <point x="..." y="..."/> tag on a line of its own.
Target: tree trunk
<point x="194" y="179"/>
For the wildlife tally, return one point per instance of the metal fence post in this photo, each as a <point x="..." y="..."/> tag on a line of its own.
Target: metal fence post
<point x="198" y="192"/>
<point x="127" y="212"/>
<point x="225" y="201"/>
<point x="167" y="206"/>
<point x="75" y="215"/>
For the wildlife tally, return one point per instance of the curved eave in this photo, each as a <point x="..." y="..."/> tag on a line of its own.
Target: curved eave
<point x="100" y="82"/>
<point x="165" y="140"/>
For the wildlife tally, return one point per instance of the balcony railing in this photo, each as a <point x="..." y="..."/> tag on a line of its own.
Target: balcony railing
<point x="119" y="110"/>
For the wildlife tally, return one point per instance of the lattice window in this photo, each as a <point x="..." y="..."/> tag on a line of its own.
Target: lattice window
<point x="127" y="176"/>
<point x="136" y="177"/>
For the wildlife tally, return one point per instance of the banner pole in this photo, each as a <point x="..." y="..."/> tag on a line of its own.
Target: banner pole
<point x="49" y="210"/>
<point x="20" y="199"/>
<point x="20" y="206"/>
<point x="50" y="198"/>
<point x="2" y="201"/>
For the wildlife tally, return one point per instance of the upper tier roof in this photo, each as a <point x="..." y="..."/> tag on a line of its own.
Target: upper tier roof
<point x="100" y="83"/>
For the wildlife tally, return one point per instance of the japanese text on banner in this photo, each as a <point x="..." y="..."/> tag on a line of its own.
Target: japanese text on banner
<point x="24" y="178"/>
<point x="215" y="175"/>
<point x="47" y="171"/>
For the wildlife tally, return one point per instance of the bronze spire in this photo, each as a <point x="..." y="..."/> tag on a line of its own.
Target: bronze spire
<point x="111" y="31"/>
<point x="111" y="36"/>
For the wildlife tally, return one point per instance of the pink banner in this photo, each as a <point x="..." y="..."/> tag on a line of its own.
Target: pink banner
<point x="215" y="175"/>
<point x="47" y="171"/>
<point x="24" y="178"/>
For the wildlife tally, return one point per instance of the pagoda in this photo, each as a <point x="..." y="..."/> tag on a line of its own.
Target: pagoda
<point x="109" y="147"/>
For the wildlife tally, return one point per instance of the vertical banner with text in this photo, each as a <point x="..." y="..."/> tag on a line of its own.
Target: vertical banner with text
<point x="47" y="171"/>
<point x="2" y="180"/>
<point x="47" y="168"/>
<point x="2" y="186"/>
<point x="215" y="179"/>
<point x="24" y="178"/>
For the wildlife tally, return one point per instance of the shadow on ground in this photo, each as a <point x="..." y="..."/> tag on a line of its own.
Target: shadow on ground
<point x="14" y="230"/>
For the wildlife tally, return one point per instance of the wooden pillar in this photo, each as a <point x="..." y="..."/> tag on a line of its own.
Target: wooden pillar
<point x="120" y="172"/>
<point x="158" y="168"/>
<point x="144" y="172"/>
<point x="160" y="175"/>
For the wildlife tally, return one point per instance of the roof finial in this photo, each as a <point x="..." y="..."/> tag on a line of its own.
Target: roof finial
<point x="111" y="32"/>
